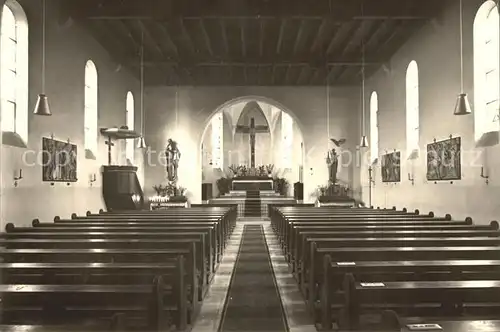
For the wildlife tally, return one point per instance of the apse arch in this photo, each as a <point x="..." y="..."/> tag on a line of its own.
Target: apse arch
<point x="256" y="98"/>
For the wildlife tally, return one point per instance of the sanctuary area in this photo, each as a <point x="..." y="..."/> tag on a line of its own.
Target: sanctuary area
<point x="244" y="166"/>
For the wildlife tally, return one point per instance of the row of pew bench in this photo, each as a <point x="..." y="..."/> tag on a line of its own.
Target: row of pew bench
<point x="365" y="269"/>
<point x="137" y="270"/>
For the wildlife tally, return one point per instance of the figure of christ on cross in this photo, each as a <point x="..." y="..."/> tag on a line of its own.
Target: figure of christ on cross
<point x="252" y="130"/>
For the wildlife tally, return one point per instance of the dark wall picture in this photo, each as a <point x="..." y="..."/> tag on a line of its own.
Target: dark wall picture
<point x="391" y="167"/>
<point x="444" y="160"/>
<point x="59" y="161"/>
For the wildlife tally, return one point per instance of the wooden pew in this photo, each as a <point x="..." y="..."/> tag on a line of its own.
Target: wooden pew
<point x="144" y="256"/>
<point x="201" y="267"/>
<point x="55" y="304"/>
<point x="450" y="295"/>
<point x="211" y="249"/>
<point x="295" y="248"/>
<point x="376" y="271"/>
<point x="194" y="208"/>
<point x="354" y="237"/>
<point x="295" y="231"/>
<point x="226" y="225"/>
<point x="311" y="244"/>
<point x="285" y="232"/>
<point x="280" y="224"/>
<point x="67" y="253"/>
<point x="217" y="237"/>
<point x="469" y="325"/>
<point x="311" y="276"/>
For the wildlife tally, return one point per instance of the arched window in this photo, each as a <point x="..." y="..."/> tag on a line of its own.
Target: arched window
<point x="287" y="139"/>
<point x="14" y="70"/>
<point x="91" y="103"/>
<point x="217" y="140"/>
<point x="486" y="71"/>
<point x="412" y="110"/>
<point x="373" y="127"/>
<point x="130" y="122"/>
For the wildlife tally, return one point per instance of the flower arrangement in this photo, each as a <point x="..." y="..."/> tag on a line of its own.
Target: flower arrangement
<point x="269" y="169"/>
<point x="244" y="170"/>
<point x="223" y="185"/>
<point x="281" y="185"/>
<point x="332" y="192"/>
<point x="172" y="192"/>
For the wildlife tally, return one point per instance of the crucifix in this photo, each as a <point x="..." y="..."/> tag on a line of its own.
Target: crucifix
<point x="252" y="130"/>
<point x="109" y="143"/>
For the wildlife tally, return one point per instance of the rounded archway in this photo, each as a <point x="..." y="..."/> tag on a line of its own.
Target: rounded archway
<point x="255" y="132"/>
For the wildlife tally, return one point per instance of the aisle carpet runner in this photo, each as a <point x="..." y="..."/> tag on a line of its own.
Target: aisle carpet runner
<point x="253" y="302"/>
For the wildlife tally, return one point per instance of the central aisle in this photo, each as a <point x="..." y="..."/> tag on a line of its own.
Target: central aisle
<point x="253" y="302"/>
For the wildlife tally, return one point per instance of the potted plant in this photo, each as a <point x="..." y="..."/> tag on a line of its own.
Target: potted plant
<point x="234" y="169"/>
<point x="160" y="190"/>
<point x="269" y="169"/>
<point x="281" y="185"/>
<point x="179" y="195"/>
<point x="223" y="185"/>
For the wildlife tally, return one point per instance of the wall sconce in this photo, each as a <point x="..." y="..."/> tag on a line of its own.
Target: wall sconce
<point x="92" y="179"/>
<point x="412" y="179"/>
<point x="485" y="177"/>
<point x="18" y="177"/>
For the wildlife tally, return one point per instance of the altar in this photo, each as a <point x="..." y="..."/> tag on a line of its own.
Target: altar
<point x="250" y="183"/>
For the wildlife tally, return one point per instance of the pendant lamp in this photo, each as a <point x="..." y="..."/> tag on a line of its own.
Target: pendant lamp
<point x="42" y="104"/>
<point x="462" y="106"/>
<point x="142" y="142"/>
<point x="364" y="140"/>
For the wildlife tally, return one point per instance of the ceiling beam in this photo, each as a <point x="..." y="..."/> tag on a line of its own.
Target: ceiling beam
<point x="341" y="36"/>
<point x="300" y="35"/>
<point x="224" y="36"/>
<point x="185" y="35"/>
<point x="206" y="37"/>
<point x="237" y="9"/>
<point x="243" y="38"/>
<point x="150" y="40"/>
<point x="280" y="36"/>
<point x="261" y="37"/>
<point x="319" y="38"/>
<point x="165" y="35"/>
<point x="243" y="66"/>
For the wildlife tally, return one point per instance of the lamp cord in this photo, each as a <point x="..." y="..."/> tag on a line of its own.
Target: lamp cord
<point x="327" y="105"/>
<point x="363" y="74"/>
<point x="142" y="84"/>
<point x="461" y="50"/>
<point x="43" y="45"/>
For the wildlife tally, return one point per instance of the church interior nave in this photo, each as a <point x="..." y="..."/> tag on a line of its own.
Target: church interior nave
<point x="235" y="165"/>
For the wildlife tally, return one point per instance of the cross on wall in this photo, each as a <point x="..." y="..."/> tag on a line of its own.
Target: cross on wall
<point x="252" y="130"/>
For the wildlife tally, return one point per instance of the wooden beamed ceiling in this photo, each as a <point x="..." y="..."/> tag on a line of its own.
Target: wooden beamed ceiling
<point x="253" y="42"/>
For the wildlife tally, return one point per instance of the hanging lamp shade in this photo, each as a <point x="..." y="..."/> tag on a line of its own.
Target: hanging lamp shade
<point x="42" y="106"/>
<point x="364" y="142"/>
<point x="462" y="106"/>
<point x="142" y="143"/>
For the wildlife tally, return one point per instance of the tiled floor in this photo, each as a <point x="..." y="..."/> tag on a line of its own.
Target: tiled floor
<point x="295" y="310"/>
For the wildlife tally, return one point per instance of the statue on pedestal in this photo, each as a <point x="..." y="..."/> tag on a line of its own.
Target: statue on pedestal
<point x="172" y="154"/>
<point x="332" y="160"/>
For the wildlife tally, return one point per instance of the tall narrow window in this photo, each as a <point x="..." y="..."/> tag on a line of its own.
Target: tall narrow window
<point x="14" y="70"/>
<point x="217" y="140"/>
<point x="373" y="127"/>
<point x="130" y="110"/>
<point x="412" y="110"/>
<point x="486" y="71"/>
<point x="91" y="103"/>
<point x="287" y="139"/>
